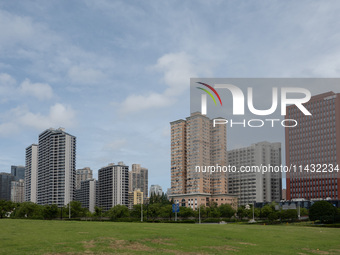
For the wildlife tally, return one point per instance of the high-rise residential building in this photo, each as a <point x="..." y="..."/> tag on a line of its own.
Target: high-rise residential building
<point x="5" y="186"/>
<point x="82" y="175"/>
<point x="86" y="194"/>
<point x="312" y="147"/>
<point x="135" y="198"/>
<point x="31" y="173"/>
<point x="113" y="185"/>
<point x="195" y="142"/>
<point x="156" y="190"/>
<point x="18" y="172"/>
<point x="255" y="186"/>
<point x="56" y="167"/>
<point x="18" y="191"/>
<point x="138" y="179"/>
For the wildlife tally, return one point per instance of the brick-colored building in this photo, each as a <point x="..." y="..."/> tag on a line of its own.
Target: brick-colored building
<point x="314" y="141"/>
<point x="195" y="142"/>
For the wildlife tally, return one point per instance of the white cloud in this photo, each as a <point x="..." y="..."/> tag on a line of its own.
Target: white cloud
<point x="115" y="145"/>
<point x="84" y="75"/>
<point x="39" y="90"/>
<point x="20" y="117"/>
<point x="177" y="70"/>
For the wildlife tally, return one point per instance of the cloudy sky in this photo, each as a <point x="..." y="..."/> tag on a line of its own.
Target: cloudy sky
<point x="115" y="73"/>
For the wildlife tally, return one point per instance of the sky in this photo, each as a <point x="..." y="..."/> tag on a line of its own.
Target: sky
<point x="115" y="73"/>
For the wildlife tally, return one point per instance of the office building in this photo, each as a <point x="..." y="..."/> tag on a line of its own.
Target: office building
<point x="255" y="186"/>
<point x="314" y="144"/>
<point x="156" y="190"/>
<point x="56" y="167"/>
<point x="5" y="186"/>
<point x="138" y="179"/>
<point x="82" y="175"/>
<point x="86" y="194"/>
<point x="18" y="172"/>
<point x="113" y="185"/>
<point x="195" y="142"/>
<point x="135" y="198"/>
<point x="31" y="173"/>
<point x="18" y="191"/>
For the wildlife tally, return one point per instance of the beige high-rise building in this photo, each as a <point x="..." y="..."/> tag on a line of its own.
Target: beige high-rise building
<point x="135" y="198"/>
<point x="82" y="175"/>
<point x="138" y="179"/>
<point x="195" y="142"/>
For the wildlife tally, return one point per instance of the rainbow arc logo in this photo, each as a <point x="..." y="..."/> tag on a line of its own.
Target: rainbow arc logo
<point x="209" y="93"/>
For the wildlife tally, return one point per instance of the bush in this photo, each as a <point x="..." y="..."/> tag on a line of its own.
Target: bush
<point x="322" y="211"/>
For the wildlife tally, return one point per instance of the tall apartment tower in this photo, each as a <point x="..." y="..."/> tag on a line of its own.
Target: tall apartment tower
<point x="31" y="173"/>
<point x="195" y="142"/>
<point x="315" y="140"/>
<point x="18" y="172"/>
<point x="138" y="179"/>
<point x="82" y="175"/>
<point x="113" y="185"/>
<point x="56" y="167"/>
<point x="5" y="186"/>
<point x="86" y="194"/>
<point x="255" y="186"/>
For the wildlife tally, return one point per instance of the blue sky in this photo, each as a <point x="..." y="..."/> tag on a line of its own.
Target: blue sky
<point x="115" y="73"/>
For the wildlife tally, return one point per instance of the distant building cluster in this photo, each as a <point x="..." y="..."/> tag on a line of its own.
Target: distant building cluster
<point x="50" y="177"/>
<point x="312" y="143"/>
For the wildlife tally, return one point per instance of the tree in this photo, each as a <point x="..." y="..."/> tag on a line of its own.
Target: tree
<point x="226" y="210"/>
<point x="322" y="211"/>
<point x="28" y="210"/>
<point x="98" y="211"/>
<point x="241" y="212"/>
<point x="6" y="207"/>
<point x="50" y="211"/>
<point x="76" y="209"/>
<point x="118" y="211"/>
<point x="185" y="212"/>
<point x="266" y="210"/>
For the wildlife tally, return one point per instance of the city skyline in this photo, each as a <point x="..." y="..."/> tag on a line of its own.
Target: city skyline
<point x="116" y="83"/>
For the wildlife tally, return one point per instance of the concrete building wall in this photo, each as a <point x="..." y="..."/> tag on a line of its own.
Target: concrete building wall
<point x="255" y="186"/>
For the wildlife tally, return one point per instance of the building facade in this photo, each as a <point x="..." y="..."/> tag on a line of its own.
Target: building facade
<point x="56" y="167"/>
<point x="255" y="186"/>
<point x="136" y="197"/>
<point x="18" y="172"/>
<point x="82" y="175"/>
<point x="195" y="200"/>
<point x="18" y="191"/>
<point x="156" y="190"/>
<point x="113" y="185"/>
<point x="139" y="179"/>
<point x="5" y="186"/>
<point x="31" y="173"/>
<point x="314" y="142"/>
<point x="86" y="194"/>
<point x="195" y="142"/>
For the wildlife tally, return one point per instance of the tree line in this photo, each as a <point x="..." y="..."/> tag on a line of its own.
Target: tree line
<point x="159" y="208"/>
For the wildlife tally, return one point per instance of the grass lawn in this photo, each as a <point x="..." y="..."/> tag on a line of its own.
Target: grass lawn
<point x="74" y="237"/>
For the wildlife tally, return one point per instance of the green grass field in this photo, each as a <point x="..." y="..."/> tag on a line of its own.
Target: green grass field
<point x="74" y="237"/>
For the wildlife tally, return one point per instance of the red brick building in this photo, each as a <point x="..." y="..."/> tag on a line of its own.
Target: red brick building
<point x="313" y="146"/>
